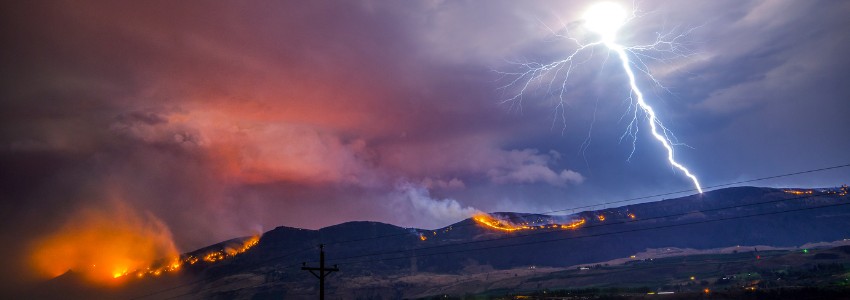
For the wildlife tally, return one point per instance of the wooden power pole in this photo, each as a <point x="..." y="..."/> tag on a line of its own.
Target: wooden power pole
<point x="322" y="271"/>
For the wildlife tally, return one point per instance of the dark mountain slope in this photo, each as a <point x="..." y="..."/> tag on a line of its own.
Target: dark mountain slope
<point x="722" y="218"/>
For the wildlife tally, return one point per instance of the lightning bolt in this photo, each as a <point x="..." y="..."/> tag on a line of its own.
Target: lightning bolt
<point x="605" y="19"/>
<point x="654" y="123"/>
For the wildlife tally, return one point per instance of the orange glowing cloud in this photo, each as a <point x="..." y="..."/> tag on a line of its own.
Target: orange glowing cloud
<point x="243" y="148"/>
<point x="103" y="244"/>
<point x="286" y="152"/>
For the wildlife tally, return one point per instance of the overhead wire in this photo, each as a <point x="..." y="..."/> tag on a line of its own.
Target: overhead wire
<point x="264" y="261"/>
<point x="587" y="236"/>
<point x="544" y="232"/>
<point x="566" y="238"/>
<point x="707" y="188"/>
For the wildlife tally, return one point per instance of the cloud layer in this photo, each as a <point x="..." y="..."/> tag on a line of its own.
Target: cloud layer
<point x="218" y="119"/>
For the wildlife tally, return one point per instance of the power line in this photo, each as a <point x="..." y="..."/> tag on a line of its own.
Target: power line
<point x="323" y="272"/>
<point x="584" y="236"/>
<point x="693" y="262"/>
<point x="566" y="238"/>
<point x="615" y="202"/>
<point x="237" y="280"/>
<point x="207" y="279"/>
<point x="519" y="236"/>
<point x="585" y="227"/>
<point x="707" y="187"/>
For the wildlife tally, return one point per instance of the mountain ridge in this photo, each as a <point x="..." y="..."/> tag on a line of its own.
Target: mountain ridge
<point x="368" y="249"/>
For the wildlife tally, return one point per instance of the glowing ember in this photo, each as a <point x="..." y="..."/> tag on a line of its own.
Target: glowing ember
<point x="505" y="225"/>
<point x="799" y="192"/>
<point x="840" y="191"/>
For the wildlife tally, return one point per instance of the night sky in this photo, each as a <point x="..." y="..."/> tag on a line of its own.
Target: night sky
<point x="196" y="122"/>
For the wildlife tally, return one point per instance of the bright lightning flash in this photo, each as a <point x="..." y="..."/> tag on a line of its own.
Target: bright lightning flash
<point x="605" y="19"/>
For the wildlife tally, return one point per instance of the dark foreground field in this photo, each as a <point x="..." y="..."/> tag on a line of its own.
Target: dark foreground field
<point x="783" y="274"/>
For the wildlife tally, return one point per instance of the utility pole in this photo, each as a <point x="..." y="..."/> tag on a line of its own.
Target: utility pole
<point x="322" y="271"/>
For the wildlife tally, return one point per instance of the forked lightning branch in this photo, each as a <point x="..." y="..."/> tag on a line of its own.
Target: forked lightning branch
<point x="605" y="20"/>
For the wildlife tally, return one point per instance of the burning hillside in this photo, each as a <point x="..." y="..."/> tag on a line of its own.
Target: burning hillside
<point x="102" y="244"/>
<point x="510" y="224"/>
<point x="840" y="191"/>
<point x="111" y="243"/>
<point x="210" y="255"/>
<point x="465" y="247"/>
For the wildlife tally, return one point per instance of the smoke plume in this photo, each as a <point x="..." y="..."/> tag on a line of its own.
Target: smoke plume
<point x="431" y="211"/>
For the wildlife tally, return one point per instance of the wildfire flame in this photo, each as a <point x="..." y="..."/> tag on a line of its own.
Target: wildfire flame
<point x="505" y="225"/>
<point x="799" y="192"/>
<point x="840" y="191"/>
<point x="114" y="241"/>
<point x="175" y="264"/>
<point x="103" y="244"/>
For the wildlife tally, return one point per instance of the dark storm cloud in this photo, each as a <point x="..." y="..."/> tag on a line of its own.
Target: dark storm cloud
<point x="223" y="118"/>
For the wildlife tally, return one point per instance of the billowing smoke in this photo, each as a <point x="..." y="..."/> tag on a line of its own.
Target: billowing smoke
<point x="430" y="211"/>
